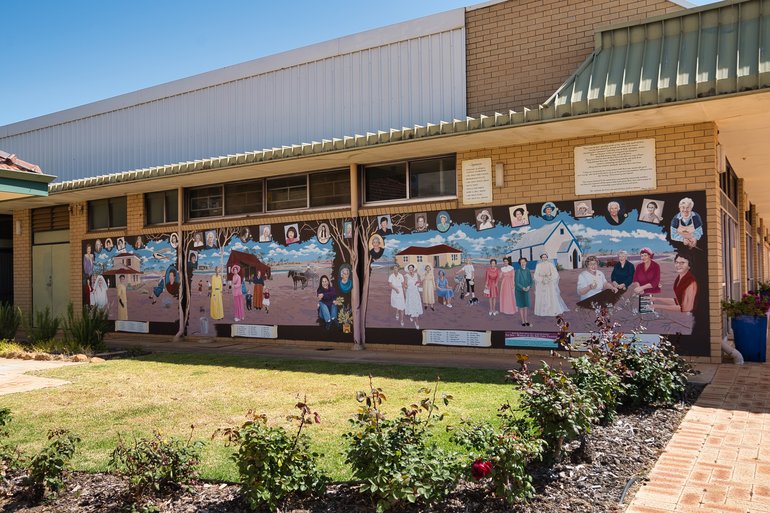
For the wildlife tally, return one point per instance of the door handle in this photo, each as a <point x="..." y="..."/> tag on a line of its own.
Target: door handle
<point x="49" y="283"/>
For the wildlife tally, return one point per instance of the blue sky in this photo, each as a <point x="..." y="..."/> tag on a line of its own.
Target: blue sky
<point x="61" y="54"/>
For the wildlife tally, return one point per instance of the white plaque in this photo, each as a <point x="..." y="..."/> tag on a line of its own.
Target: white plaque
<point x="254" y="331"/>
<point x="457" y="338"/>
<point x="477" y="181"/>
<point x="132" y="326"/>
<point x="615" y="167"/>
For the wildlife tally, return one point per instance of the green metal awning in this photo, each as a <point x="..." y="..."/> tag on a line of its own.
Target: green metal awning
<point x="710" y="51"/>
<point x="20" y="179"/>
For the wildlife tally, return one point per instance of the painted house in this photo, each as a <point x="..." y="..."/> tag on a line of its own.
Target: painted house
<point x="555" y="239"/>
<point x="438" y="256"/>
<point x="249" y="264"/>
<point x="128" y="264"/>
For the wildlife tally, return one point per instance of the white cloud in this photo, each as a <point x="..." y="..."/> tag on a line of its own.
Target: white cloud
<point x="591" y="233"/>
<point x="391" y="243"/>
<point x="438" y="239"/>
<point x="458" y="235"/>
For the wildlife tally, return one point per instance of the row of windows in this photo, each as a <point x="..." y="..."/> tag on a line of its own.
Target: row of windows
<point x="417" y="179"/>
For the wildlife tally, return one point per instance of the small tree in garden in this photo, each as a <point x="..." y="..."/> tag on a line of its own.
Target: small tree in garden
<point x="48" y="468"/>
<point x="274" y="464"/>
<point x="393" y="458"/>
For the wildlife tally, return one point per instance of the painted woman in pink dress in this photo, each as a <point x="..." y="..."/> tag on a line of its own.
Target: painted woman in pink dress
<point x="238" y="314"/>
<point x="646" y="274"/>
<point x="507" y="287"/>
<point x="491" y="276"/>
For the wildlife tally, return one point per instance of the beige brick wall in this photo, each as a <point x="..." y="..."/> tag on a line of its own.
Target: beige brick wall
<point x="520" y="52"/>
<point x="22" y="261"/>
<point x="685" y="161"/>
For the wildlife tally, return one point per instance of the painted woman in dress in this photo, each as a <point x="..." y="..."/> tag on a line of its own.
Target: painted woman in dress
<point x="647" y="274"/>
<point x="100" y="293"/>
<point x="122" y="298"/>
<point x="428" y="288"/>
<point x="523" y="283"/>
<point x="548" y="301"/>
<point x="217" y="310"/>
<point x="397" y="301"/>
<point x="443" y="290"/>
<point x="259" y="289"/>
<point x="491" y="276"/>
<point x="88" y="261"/>
<point x="327" y="308"/>
<point x="238" y="314"/>
<point x="507" y="303"/>
<point x="413" y="305"/>
<point x="623" y="272"/>
<point x="687" y="226"/>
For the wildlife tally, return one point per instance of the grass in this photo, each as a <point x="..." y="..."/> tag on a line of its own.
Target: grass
<point x="171" y="392"/>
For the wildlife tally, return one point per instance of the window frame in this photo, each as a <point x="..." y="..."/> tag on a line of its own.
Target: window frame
<point x="409" y="198"/>
<point x="165" y="221"/>
<point x="110" y="225"/>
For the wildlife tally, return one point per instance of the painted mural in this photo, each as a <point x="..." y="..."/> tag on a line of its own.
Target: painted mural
<point x="295" y="275"/>
<point x="513" y="269"/>
<point x="135" y="278"/>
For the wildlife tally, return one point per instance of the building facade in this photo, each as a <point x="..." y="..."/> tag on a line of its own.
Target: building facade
<point x="643" y="136"/>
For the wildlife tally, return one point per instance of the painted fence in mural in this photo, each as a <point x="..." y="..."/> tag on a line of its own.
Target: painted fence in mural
<point x="495" y="276"/>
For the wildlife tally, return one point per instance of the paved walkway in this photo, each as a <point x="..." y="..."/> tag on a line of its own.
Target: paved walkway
<point x="13" y="377"/>
<point x="719" y="459"/>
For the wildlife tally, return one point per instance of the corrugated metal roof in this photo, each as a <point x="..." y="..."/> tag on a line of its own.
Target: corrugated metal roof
<point x="703" y="52"/>
<point x="718" y="49"/>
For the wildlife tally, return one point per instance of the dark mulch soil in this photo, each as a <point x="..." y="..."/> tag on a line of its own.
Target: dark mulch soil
<point x="626" y="449"/>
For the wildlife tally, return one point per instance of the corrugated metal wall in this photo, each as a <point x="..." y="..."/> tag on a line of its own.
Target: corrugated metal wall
<point x="414" y="81"/>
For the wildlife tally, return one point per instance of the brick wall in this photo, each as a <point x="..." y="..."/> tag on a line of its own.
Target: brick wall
<point x="685" y="160"/>
<point x="519" y="52"/>
<point x="22" y="261"/>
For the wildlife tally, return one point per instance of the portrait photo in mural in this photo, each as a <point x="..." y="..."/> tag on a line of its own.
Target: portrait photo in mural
<point x="301" y="279"/>
<point x="641" y="257"/>
<point x="134" y="279"/>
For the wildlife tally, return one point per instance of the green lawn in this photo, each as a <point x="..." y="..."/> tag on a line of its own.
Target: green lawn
<point x="173" y="391"/>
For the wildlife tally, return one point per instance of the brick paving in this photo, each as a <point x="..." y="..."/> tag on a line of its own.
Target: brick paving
<point x="14" y="377"/>
<point x="718" y="461"/>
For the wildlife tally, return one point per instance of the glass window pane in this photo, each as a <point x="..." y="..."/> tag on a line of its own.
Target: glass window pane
<point x="385" y="182"/>
<point x="205" y="202"/>
<point x="332" y="188"/>
<point x="243" y="198"/>
<point x="98" y="215"/>
<point x="118" y="214"/>
<point x="154" y="207"/>
<point x="286" y="193"/>
<point x="432" y="177"/>
<point x="172" y="206"/>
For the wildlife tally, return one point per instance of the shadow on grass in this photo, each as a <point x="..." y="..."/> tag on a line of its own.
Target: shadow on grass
<point x="362" y="369"/>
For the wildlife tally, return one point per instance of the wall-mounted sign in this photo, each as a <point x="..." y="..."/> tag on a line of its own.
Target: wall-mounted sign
<point x="132" y="326"/>
<point x="457" y="338"/>
<point x="615" y="167"/>
<point x="477" y="181"/>
<point x="254" y="331"/>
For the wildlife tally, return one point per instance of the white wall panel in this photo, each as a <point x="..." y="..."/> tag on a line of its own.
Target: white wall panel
<point x="414" y="81"/>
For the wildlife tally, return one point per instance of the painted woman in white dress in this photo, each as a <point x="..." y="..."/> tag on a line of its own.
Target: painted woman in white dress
<point x="548" y="301"/>
<point x="396" y="283"/>
<point x="413" y="297"/>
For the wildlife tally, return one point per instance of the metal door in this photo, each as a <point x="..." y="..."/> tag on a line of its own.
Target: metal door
<point x="50" y="278"/>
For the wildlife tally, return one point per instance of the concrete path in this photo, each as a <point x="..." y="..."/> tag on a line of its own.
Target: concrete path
<point x="719" y="459"/>
<point x="13" y="377"/>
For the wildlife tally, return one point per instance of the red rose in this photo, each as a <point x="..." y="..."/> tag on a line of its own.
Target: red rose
<point x="481" y="469"/>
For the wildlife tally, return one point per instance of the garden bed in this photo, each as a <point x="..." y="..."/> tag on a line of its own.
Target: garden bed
<point x="625" y="449"/>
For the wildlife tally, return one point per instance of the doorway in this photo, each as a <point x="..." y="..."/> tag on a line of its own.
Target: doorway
<point x="51" y="274"/>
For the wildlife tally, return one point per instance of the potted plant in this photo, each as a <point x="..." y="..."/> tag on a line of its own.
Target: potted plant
<point x="749" y="324"/>
<point x="763" y="287"/>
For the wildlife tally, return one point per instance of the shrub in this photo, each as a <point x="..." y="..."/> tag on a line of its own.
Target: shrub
<point x="10" y="320"/>
<point x="596" y="373"/>
<point x="652" y="375"/>
<point x="48" y="468"/>
<point x="156" y="464"/>
<point x="274" y="464"/>
<point x="44" y="326"/>
<point x="87" y="330"/>
<point x="65" y="347"/>
<point x="503" y="453"/>
<point x="393" y="458"/>
<point x="561" y="409"/>
<point x="10" y="457"/>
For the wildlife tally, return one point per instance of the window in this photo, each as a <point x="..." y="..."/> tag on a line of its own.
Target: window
<point x="161" y="207"/>
<point x="419" y="259"/>
<point x="243" y="198"/>
<point x="330" y="188"/>
<point x="427" y="178"/>
<point x="405" y="259"/>
<point x="205" y="202"/>
<point x="287" y="193"/>
<point x="107" y="213"/>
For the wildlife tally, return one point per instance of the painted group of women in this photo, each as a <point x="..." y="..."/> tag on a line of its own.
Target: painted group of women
<point x="410" y="291"/>
<point x="249" y="294"/>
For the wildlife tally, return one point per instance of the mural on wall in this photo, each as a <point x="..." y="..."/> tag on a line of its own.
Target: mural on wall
<point x="135" y="278"/>
<point x="293" y="274"/>
<point x="512" y="269"/>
